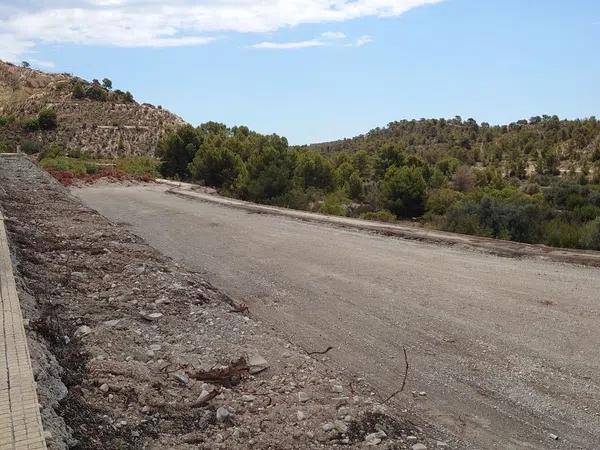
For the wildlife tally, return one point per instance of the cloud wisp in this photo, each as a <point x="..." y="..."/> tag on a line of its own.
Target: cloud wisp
<point x="155" y="23"/>
<point x="325" y="39"/>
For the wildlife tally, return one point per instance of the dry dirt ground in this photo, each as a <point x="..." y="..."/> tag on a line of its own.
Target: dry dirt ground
<point x="130" y="350"/>
<point x="504" y="352"/>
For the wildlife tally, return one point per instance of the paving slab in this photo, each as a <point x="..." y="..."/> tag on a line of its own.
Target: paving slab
<point x="20" y="420"/>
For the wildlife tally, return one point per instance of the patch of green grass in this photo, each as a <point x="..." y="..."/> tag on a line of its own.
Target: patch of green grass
<point x="139" y="166"/>
<point x="382" y="215"/>
<point x="76" y="166"/>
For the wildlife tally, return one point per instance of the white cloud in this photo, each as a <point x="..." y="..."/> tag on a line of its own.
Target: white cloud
<point x="156" y="23"/>
<point x="325" y="39"/>
<point x="289" y="45"/>
<point x="364" y="40"/>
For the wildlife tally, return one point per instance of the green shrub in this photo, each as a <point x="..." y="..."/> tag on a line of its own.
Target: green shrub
<point x="140" y="166"/>
<point x="31" y="125"/>
<point x="5" y="147"/>
<point x="31" y="147"/>
<point x="51" y="151"/>
<point x="65" y="164"/>
<point x="382" y="215"/>
<point x="96" y="92"/>
<point x="440" y="200"/>
<point x="590" y="235"/>
<point x="91" y="168"/>
<point x="47" y="119"/>
<point x="333" y="205"/>
<point x="6" y="120"/>
<point x="404" y="189"/>
<point x="559" y="233"/>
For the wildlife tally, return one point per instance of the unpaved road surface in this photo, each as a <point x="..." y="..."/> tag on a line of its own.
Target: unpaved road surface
<point x="507" y="351"/>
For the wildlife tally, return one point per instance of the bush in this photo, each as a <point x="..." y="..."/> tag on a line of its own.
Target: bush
<point x="31" y="125"/>
<point x="6" y="120"/>
<point x="78" y="90"/>
<point x="65" y="164"/>
<point x="559" y="233"/>
<point x="51" y="151"/>
<point x="31" y="147"/>
<point x="140" y="166"/>
<point x="590" y="235"/>
<point x="382" y="215"/>
<point x="217" y="167"/>
<point x="96" y="92"/>
<point x="440" y="200"/>
<point x="5" y="148"/>
<point x="334" y="204"/>
<point x="47" y="119"/>
<point x="404" y="190"/>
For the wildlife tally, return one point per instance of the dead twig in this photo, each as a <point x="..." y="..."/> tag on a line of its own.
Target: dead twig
<point x="320" y="353"/>
<point x="403" y="381"/>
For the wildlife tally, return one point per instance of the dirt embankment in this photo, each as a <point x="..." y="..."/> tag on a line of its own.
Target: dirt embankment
<point x="132" y="351"/>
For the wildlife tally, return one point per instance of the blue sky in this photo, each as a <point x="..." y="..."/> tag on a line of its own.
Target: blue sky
<point x="316" y="70"/>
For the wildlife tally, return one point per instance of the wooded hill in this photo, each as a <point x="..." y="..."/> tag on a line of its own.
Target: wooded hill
<point x="546" y="143"/>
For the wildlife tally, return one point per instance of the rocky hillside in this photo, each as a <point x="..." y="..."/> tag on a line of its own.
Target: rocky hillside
<point x="90" y="118"/>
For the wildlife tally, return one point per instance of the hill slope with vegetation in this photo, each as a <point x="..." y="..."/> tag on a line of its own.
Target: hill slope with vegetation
<point x="38" y="109"/>
<point x="535" y="181"/>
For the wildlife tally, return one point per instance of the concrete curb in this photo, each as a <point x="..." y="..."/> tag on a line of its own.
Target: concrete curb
<point x="20" y="421"/>
<point x="487" y="245"/>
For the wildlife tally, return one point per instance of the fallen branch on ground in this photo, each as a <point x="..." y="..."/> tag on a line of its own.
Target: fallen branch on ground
<point x="320" y="353"/>
<point x="403" y="381"/>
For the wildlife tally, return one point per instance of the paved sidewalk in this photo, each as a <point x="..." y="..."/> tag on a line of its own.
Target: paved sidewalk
<point x="20" y="421"/>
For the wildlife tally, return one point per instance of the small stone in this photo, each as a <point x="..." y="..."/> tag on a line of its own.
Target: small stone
<point x="104" y="388"/>
<point x="337" y="388"/>
<point x="419" y="447"/>
<point x="83" y="330"/>
<point x="441" y="444"/>
<point x="146" y="409"/>
<point x="412" y="439"/>
<point x="155" y="347"/>
<point x="303" y="397"/>
<point x="375" y="438"/>
<point x="300" y="415"/>
<point x="422" y="394"/>
<point x="112" y="323"/>
<point x="181" y="377"/>
<point x="257" y="364"/>
<point x="223" y="414"/>
<point x="341" y="401"/>
<point x="248" y="398"/>
<point x="340" y="426"/>
<point x="204" y="396"/>
<point x="328" y="426"/>
<point x="152" y="316"/>
<point x="78" y="276"/>
<point x="553" y="437"/>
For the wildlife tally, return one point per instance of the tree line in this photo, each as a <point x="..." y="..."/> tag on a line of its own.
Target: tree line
<point x="535" y="181"/>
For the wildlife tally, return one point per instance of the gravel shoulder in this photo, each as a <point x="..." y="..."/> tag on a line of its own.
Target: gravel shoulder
<point x="132" y="350"/>
<point x="503" y="351"/>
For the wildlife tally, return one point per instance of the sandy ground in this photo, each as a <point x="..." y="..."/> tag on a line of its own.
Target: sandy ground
<point x="503" y="352"/>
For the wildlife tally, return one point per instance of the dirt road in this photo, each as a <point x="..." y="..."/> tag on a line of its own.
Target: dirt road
<point x="504" y="353"/>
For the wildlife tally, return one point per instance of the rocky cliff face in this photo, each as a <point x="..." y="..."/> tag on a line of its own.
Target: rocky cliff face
<point x="113" y="126"/>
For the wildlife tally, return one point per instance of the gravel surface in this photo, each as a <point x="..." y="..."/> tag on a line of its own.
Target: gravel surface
<point x="132" y="351"/>
<point x="503" y="352"/>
